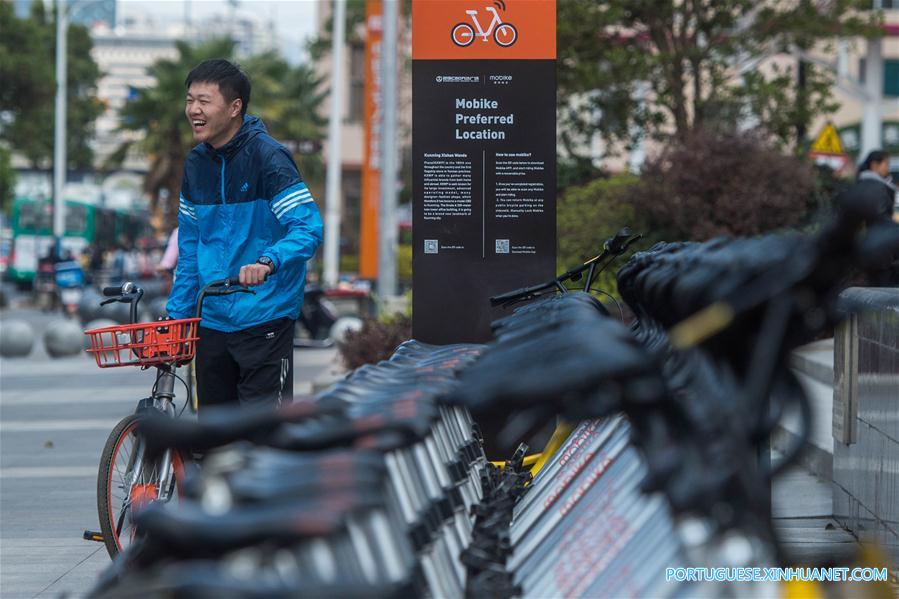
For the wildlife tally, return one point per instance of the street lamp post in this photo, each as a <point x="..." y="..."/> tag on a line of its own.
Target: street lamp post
<point x="387" y="275"/>
<point x="331" y="258"/>
<point x="59" y="126"/>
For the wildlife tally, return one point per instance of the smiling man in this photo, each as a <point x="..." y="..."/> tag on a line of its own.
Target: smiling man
<point x="244" y="210"/>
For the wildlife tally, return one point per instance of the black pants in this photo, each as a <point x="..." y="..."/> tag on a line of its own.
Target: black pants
<point x="248" y="367"/>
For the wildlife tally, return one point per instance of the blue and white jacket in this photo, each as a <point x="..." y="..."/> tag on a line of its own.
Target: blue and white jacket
<point x="238" y="203"/>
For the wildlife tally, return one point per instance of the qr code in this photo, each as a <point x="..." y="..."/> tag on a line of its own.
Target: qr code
<point x="502" y="246"/>
<point x="430" y="246"/>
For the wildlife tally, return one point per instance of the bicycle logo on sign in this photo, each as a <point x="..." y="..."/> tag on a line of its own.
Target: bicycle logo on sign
<point x="504" y="34"/>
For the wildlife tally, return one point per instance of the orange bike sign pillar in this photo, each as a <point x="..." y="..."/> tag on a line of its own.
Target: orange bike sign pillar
<point x="484" y="159"/>
<point x="371" y="154"/>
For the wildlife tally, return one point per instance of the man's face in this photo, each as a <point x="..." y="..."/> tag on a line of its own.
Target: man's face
<point x="882" y="168"/>
<point x="210" y="115"/>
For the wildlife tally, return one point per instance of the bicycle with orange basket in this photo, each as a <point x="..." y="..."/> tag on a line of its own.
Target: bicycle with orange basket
<point x="129" y="478"/>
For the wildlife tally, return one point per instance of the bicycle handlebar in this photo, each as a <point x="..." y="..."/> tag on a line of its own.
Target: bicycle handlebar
<point x="614" y="246"/>
<point x="617" y="242"/>
<point x="520" y="293"/>
<point x="225" y="287"/>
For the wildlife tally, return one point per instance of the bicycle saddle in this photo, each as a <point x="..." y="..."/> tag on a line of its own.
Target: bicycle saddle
<point x="206" y="579"/>
<point x="220" y="426"/>
<point x="191" y="531"/>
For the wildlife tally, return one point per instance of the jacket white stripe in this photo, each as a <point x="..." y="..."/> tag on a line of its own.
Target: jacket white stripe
<point x="296" y="194"/>
<point x="188" y="214"/>
<point x="293" y="204"/>
<point x="286" y="207"/>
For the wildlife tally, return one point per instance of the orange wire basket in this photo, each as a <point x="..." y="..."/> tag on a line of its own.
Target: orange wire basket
<point x="145" y="344"/>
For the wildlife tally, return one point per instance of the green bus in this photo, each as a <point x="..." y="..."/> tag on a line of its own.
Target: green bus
<point x="31" y="222"/>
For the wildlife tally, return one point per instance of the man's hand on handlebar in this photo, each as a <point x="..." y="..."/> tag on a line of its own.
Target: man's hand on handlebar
<point x="254" y="274"/>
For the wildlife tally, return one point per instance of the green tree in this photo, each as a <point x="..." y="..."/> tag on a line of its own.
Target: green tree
<point x="284" y="96"/>
<point x="587" y="215"/>
<point x="693" y="61"/>
<point x="726" y="184"/>
<point x="320" y="46"/>
<point x="158" y="114"/>
<point x="287" y="98"/>
<point x="27" y="92"/>
<point x="7" y="180"/>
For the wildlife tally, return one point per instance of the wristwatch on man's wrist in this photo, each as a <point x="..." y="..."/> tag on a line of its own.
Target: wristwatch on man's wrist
<point x="267" y="262"/>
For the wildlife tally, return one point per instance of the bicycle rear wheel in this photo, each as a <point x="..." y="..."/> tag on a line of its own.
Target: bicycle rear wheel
<point x="126" y="479"/>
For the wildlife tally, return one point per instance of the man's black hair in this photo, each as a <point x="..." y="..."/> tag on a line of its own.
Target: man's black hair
<point x="872" y="157"/>
<point x="232" y="81"/>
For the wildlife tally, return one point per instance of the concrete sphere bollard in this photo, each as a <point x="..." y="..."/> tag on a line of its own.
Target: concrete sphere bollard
<point x="63" y="338"/>
<point x="100" y="323"/>
<point x="89" y="306"/>
<point x="117" y="311"/>
<point x="342" y="326"/>
<point x="16" y="338"/>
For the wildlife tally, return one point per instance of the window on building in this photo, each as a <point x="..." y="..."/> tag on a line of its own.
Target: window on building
<point x="357" y="84"/>
<point x="352" y="205"/>
<point x="890" y="75"/>
<point x="76" y="219"/>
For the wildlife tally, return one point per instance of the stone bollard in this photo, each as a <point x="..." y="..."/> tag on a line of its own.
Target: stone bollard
<point x="16" y="338"/>
<point x="89" y="306"/>
<point x="117" y="311"/>
<point x="63" y="338"/>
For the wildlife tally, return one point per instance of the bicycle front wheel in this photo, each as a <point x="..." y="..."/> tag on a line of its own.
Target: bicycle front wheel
<point x="126" y="480"/>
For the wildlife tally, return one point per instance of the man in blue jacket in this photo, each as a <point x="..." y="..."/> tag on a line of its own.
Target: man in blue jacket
<point x="244" y="210"/>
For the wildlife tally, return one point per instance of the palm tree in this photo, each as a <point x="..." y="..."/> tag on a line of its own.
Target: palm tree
<point x="287" y="100"/>
<point x="158" y="113"/>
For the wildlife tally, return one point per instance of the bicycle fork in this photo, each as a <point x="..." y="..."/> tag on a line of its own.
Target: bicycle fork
<point x="163" y="400"/>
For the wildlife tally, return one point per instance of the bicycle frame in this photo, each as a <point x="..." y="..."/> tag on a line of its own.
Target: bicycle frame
<point x="163" y="400"/>
<point x="162" y="471"/>
<point x="493" y="23"/>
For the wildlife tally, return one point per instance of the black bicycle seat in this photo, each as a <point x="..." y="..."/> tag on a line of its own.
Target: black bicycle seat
<point x="206" y="579"/>
<point x="187" y="529"/>
<point x="220" y="426"/>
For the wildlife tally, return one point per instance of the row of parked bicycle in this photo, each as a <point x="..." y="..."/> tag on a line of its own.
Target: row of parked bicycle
<point x="380" y="486"/>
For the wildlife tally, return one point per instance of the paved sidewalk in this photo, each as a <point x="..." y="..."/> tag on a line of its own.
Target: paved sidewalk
<point x="54" y="419"/>
<point x="803" y="515"/>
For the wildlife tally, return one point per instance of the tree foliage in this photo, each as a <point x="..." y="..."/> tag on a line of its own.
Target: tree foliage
<point x="7" y="180"/>
<point x="284" y="96"/>
<point x="28" y="87"/>
<point x="588" y="214"/>
<point x="288" y="100"/>
<point x="694" y="62"/>
<point x="375" y="341"/>
<point x="724" y="184"/>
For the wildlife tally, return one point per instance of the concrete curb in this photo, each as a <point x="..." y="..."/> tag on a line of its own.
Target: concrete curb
<point x="812" y="457"/>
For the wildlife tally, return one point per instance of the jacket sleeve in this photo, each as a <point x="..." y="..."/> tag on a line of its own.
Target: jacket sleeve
<point x="183" y="298"/>
<point x="292" y="204"/>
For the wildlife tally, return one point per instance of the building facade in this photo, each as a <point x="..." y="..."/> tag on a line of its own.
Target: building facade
<point x="352" y="133"/>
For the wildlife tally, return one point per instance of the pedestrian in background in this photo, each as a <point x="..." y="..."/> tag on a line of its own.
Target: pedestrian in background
<point x="874" y="189"/>
<point x="170" y="258"/>
<point x="874" y="182"/>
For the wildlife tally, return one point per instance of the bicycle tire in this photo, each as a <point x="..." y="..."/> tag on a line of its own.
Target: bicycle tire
<point x="464" y="26"/>
<point x="106" y="502"/>
<point x="505" y="26"/>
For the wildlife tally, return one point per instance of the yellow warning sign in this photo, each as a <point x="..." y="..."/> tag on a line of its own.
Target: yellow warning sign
<point x="828" y="141"/>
